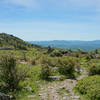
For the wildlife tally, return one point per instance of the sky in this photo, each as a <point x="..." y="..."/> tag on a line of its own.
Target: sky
<point x="36" y="20"/>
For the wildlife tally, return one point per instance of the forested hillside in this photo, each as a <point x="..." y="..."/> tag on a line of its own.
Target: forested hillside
<point x="10" y="41"/>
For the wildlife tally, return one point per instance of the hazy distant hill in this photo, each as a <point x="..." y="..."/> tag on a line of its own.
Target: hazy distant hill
<point x="84" y="45"/>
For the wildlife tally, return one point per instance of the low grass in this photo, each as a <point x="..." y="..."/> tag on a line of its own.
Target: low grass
<point x="33" y="81"/>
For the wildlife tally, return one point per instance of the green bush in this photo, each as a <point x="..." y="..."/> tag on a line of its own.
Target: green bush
<point x="56" y="53"/>
<point x="46" y="66"/>
<point x="89" y="87"/>
<point x="94" y="69"/>
<point x="45" y="71"/>
<point x="10" y="75"/>
<point x="66" y="66"/>
<point x="51" y="61"/>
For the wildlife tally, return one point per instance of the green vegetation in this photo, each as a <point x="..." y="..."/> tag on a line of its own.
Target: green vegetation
<point x="89" y="87"/>
<point x="33" y="82"/>
<point x="62" y="91"/>
<point x="46" y="71"/>
<point x="10" y="74"/>
<point x="66" y="66"/>
<point x="11" y="42"/>
<point x="24" y="68"/>
<point x="94" y="69"/>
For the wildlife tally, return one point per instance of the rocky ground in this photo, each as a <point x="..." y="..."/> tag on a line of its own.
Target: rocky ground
<point x="60" y="90"/>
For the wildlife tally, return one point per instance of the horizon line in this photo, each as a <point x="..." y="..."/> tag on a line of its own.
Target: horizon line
<point x="60" y="40"/>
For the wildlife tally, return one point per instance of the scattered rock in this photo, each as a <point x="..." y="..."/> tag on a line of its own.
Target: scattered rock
<point x="55" y="68"/>
<point x="24" y="63"/>
<point x="40" y="94"/>
<point x="62" y="87"/>
<point x="28" y="88"/>
<point x="31" y="96"/>
<point x="55" y="77"/>
<point x="49" y="87"/>
<point x="75" y="97"/>
<point x="66" y="98"/>
<point x="4" y="96"/>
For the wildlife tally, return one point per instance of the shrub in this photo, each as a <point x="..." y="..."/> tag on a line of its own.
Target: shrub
<point x="56" y="53"/>
<point x="51" y="61"/>
<point x="45" y="71"/>
<point x="24" y="55"/>
<point x="66" y="66"/>
<point x="10" y="75"/>
<point x="33" y="62"/>
<point x="88" y="58"/>
<point x="89" y="87"/>
<point x="94" y="69"/>
<point x="50" y="49"/>
<point x="46" y="66"/>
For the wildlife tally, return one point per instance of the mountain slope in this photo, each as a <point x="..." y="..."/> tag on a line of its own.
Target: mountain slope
<point x="10" y="41"/>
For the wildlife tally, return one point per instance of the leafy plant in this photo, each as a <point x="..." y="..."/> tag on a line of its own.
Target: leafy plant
<point x="94" y="69"/>
<point x="45" y="71"/>
<point x="66" y="66"/>
<point x="10" y="74"/>
<point x="89" y="87"/>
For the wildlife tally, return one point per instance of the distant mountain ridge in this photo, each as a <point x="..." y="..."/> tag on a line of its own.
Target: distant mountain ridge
<point x="74" y="44"/>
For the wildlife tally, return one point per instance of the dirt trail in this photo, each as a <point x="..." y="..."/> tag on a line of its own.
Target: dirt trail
<point x="60" y="90"/>
<point x="84" y="74"/>
<point x="52" y="91"/>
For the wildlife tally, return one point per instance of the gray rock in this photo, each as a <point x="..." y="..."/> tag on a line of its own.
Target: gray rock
<point x="31" y="96"/>
<point x="24" y="63"/>
<point x="28" y="88"/>
<point x="40" y="94"/>
<point x="4" y="96"/>
<point x="66" y="98"/>
<point x="55" y="77"/>
<point x="75" y="97"/>
<point x="55" y="68"/>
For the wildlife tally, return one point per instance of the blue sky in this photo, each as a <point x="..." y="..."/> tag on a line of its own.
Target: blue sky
<point x="51" y="19"/>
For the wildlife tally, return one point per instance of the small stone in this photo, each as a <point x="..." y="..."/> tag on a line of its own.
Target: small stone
<point x="40" y="94"/>
<point x="31" y="96"/>
<point x="75" y="97"/>
<point x="55" y="77"/>
<point x="65" y="98"/>
<point x="24" y="63"/>
<point x="28" y="88"/>
<point x="11" y="97"/>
